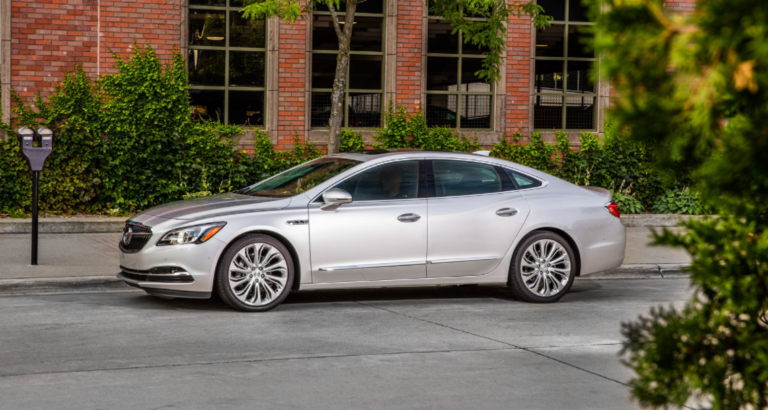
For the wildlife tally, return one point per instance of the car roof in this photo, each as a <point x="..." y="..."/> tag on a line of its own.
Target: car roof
<point x="373" y="154"/>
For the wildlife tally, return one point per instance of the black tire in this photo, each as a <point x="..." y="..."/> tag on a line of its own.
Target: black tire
<point x="228" y="294"/>
<point x="517" y="282"/>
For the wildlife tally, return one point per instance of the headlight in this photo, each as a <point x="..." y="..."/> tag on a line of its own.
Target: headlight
<point x="191" y="234"/>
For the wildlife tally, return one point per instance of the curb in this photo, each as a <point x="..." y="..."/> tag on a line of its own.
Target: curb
<point x="643" y="271"/>
<point x="99" y="284"/>
<point x="62" y="285"/>
<point x="64" y="225"/>
<point x="657" y="220"/>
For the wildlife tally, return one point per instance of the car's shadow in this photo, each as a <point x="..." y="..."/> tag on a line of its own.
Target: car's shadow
<point x="301" y="299"/>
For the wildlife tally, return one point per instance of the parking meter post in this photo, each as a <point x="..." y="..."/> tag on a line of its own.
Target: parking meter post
<point x="35" y="176"/>
<point x="36" y="159"/>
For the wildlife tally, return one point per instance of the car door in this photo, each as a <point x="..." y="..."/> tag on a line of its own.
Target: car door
<point x="474" y="217"/>
<point x="381" y="235"/>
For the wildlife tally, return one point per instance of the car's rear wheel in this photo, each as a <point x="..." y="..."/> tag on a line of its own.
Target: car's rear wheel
<point x="255" y="274"/>
<point x="543" y="268"/>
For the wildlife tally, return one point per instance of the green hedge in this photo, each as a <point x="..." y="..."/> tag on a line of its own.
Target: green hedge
<point x="126" y="142"/>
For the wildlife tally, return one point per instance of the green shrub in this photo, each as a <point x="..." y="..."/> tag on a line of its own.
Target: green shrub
<point x="351" y="141"/>
<point x="680" y="201"/>
<point x="127" y="142"/>
<point x="405" y="130"/>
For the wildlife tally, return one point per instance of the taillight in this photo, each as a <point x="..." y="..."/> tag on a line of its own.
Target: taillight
<point x="613" y="207"/>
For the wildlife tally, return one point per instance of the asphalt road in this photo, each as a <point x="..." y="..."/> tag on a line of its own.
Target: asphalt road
<point x="417" y="348"/>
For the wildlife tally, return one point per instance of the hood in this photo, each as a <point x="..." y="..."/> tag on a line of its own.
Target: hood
<point x="211" y="207"/>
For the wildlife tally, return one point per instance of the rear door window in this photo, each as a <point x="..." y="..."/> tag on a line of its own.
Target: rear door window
<point x="457" y="178"/>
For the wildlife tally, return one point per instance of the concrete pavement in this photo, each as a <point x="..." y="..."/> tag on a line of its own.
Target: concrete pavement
<point x="415" y="348"/>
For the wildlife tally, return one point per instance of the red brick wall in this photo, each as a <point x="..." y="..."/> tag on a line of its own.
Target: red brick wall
<point x="292" y="83"/>
<point x="684" y="6"/>
<point x="49" y="36"/>
<point x="409" y="44"/>
<point x="518" y="93"/>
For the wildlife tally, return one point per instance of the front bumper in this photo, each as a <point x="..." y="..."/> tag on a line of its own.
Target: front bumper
<point x="177" y="271"/>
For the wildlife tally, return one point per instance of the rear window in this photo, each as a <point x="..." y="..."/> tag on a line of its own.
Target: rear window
<point x="523" y="181"/>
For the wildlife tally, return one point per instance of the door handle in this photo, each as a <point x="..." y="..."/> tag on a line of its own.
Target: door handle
<point x="507" y="212"/>
<point x="408" y="218"/>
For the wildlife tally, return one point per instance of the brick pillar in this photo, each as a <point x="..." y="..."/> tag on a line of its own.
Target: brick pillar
<point x="410" y="26"/>
<point x="518" y="110"/>
<point x="291" y="84"/>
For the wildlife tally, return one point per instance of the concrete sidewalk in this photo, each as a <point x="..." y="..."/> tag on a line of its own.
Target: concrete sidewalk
<point x="91" y="260"/>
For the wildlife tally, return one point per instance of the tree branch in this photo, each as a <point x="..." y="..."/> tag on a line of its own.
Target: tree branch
<point x="335" y="18"/>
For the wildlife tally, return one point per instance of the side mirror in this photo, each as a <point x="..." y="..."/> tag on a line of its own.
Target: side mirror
<point x="334" y="198"/>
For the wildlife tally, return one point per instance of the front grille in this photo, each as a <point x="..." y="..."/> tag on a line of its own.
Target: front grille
<point x="135" y="237"/>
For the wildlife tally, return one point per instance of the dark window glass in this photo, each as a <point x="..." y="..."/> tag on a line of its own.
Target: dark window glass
<point x="246" y="107"/>
<point x="579" y="112"/>
<point x="548" y="112"/>
<point x="469" y="80"/>
<point x="323" y="70"/>
<point x="365" y="72"/>
<point x="302" y="178"/>
<point x="550" y="42"/>
<point x="580" y="42"/>
<point x="246" y="32"/>
<point x="207" y="104"/>
<point x="246" y="69"/>
<point x="367" y="34"/>
<point x="398" y="180"/>
<point x="579" y="76"/>
<point x="323" y="34"/>
<point x="207" y="28"/>
<point x="549" y="76"/>
<point x="440" y="40"/>
<point x="475" y="111"/>
<point x="368" y="6"/>
<point x="218" y="3"/>
<point x="206" y="67"/>
<point x="320" y="112"/>
<point x="523" y="181"/>
<point x="364" y="110"/>
<point x="456" y="178"/>
<point x="441" y="110"/>
<point x="578" y="11"/>
<point x="442" y="73"/>
<point x="554" y="8"/>
<point x="469" y="48"/>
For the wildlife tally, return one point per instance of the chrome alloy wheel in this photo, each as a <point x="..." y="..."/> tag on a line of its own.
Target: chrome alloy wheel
<point x="546" y="267"/>
<point x="258" y="274"/>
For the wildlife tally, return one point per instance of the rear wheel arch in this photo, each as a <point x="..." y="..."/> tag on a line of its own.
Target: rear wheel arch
<point x="565" y="236"/>
<point x="283" y="240"/>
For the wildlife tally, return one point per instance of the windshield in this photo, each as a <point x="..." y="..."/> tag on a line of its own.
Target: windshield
<point x="302" y="178"/>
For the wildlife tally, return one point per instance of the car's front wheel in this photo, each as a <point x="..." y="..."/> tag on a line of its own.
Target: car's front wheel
<point x="543" y="268"/>
<point x="255" y="274"/>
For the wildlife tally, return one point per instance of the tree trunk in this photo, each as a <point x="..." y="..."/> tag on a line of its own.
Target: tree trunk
<point x="344" y="32"/>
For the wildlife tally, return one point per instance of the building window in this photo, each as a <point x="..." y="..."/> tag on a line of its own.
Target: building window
<point x="365" y="74"/>
<point x="226" y="63"/>
<point x="565" y="97"/>
<point x="452" y="86"/>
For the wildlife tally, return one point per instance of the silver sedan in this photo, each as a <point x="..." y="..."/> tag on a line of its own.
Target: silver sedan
<point x="377" y="219"/>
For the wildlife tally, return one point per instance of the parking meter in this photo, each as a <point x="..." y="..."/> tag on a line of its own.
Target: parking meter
<point x="36" y="158"/>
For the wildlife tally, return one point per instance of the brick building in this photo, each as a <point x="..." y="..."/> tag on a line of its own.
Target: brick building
<point x="278" y="75"/>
